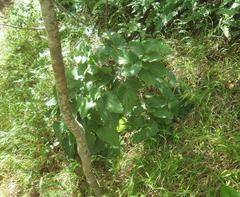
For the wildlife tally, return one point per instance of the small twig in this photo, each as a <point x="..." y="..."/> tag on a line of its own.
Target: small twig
<point x="26" y="28"/>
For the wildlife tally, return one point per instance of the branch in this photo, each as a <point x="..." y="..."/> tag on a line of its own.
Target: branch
<point x="26" y="28"/>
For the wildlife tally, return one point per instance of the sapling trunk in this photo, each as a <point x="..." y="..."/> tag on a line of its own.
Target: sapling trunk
<point x="51" y="25"/>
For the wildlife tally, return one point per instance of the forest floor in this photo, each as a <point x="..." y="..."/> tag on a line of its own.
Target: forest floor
<point x="201" y="154"/>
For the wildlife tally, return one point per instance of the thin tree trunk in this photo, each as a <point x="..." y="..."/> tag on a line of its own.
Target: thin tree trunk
<point x="75" y="127"/>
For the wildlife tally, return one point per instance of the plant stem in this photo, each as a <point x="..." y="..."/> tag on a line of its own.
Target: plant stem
<point x="73" y="125"/>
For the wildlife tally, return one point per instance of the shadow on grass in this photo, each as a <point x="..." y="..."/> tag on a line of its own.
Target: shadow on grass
<point x="201" y="152"/>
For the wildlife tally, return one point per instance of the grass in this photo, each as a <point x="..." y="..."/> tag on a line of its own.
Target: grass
<point x="29" y="162"/>
<point x="201" y="154"/>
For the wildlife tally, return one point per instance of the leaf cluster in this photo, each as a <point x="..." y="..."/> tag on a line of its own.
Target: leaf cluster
<point x="122" y="87"/>
<point x="140" y="18"/>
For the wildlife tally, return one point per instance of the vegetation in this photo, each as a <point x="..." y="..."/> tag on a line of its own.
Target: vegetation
<point x="154" y="84"/>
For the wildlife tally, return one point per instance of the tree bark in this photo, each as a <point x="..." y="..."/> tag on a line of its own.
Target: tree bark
<point x="73" y="125"/>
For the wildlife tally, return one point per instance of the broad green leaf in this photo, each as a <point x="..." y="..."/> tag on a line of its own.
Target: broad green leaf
<point x="109" y="119"/>
<point x="115" y="40"/>
<point x="162" y="113"/>
<point x="145" y="133"/>
<point x="147" y="77"/>
<point x="130" y="94"/>
<point x="103" y="78"/>
<point x="155" y="46"/>
<point x="227" y="191"/>
<point x="131" y="70"/>
<point x="104" y="117"/>
<point x="71" y="81"/>
<point x="152" y="57"/>
<point x="156" y="68"/>
<point x="94" y="121"/>
<point x="102" y="54"/>
<point x="137" y="48"/>
<point x="172" y="79"/>
<point x="84" y="105"/>
<point x="113" y="103"/>
<point x="166" y="91"/>
<point x="109" y="136"/>
<point x="127" y="58"/>
<point x="136" y="122"/>
<point x="155" y="101"/>
<point x="173" y="106"/>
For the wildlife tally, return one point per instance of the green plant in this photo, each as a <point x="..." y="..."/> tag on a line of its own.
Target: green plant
<point x="141" y="18"/>
<point x="122" y="87"/>
<point x="227" y="191"/>
<point x="229" y="15"/>
<point x="202" y="152"/>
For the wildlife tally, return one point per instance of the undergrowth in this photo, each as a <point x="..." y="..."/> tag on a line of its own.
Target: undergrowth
<point x="199" y="155"/>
